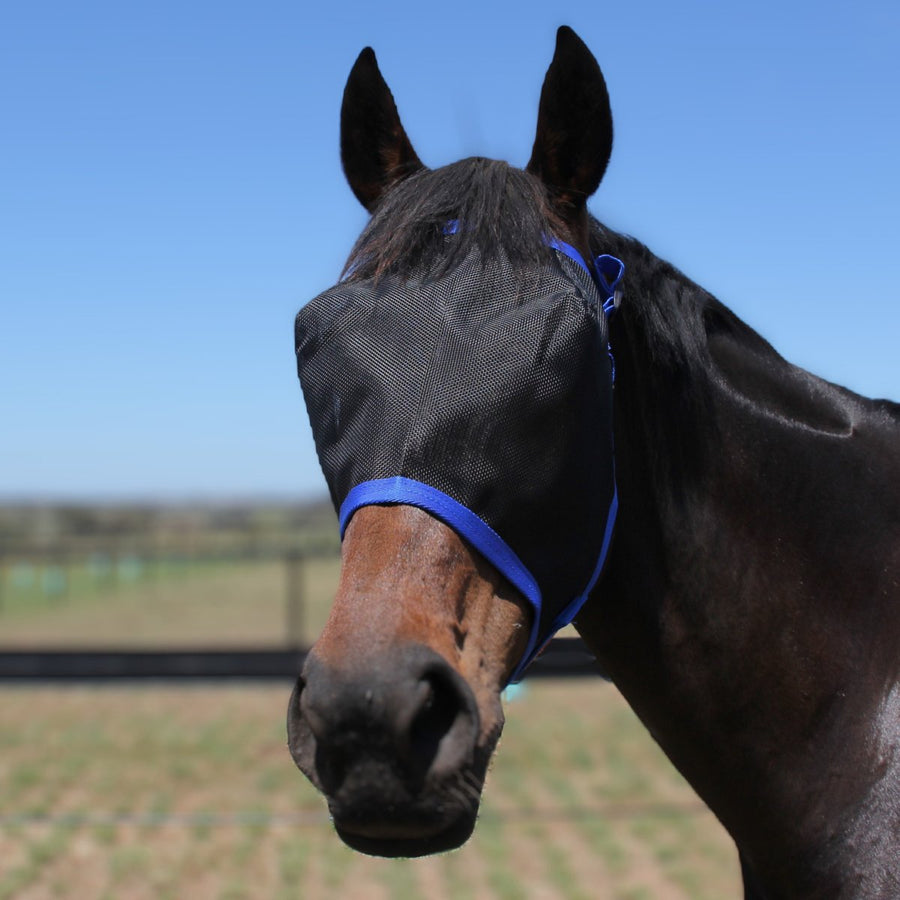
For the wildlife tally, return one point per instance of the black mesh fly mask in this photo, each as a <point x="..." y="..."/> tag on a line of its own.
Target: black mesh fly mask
<point x="484" y="396"/>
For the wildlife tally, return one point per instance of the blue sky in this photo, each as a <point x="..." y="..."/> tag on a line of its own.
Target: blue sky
<point x="171" y="194"/>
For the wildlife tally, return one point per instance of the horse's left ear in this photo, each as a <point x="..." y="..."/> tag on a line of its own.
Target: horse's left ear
<point x="574" y="131"/>
<point x="375" y="151"/>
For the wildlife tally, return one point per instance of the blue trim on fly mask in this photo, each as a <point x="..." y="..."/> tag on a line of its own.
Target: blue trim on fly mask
<point x="607" y="275"/>
<point x="470" y="527"/>
<point x="463" y="521"/>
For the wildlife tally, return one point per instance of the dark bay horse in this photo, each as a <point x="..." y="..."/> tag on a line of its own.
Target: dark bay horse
<point x="749" y="605"/>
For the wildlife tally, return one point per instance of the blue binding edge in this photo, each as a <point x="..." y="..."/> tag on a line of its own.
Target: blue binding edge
<point x="480" y="535"/>
<point x="608" y="270"/>
<point x="572" y="610"/>
<point x="568" y="250"/>
<point x="607" y="274"/>
<point x="462" y="520"/>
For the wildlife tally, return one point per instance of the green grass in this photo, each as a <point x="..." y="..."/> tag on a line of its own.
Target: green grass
<point x="399" y="880"/>
<point x="456" y="882"/>
<point x="293" y="863"/>
<point x="171" y="603"/>
<point x="208" y="799"/>
<point x="175" y="792"/>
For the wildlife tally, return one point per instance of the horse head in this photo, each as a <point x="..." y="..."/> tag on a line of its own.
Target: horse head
<point x="474" y="514"/>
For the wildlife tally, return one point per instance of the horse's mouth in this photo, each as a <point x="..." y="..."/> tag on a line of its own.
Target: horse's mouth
<point x="393" y="839"/>
<point x="380" y="817"/>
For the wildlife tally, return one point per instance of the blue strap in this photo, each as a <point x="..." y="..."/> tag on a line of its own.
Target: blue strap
<point x="610" y="271"/>
<point x="465" y="523"/>
<point x="572" y="610"/>
<point x="607" y="274"/>
<point x="568" y="250"/>
<point x="486" y="541"/>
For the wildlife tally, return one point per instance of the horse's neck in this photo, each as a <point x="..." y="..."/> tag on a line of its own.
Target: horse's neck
<point x="751" y="610"/>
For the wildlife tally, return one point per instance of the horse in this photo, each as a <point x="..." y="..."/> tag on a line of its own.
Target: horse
<point x="748" y="604"/>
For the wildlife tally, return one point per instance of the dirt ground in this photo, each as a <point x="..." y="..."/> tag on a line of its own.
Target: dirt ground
<point x="177" y="792"/>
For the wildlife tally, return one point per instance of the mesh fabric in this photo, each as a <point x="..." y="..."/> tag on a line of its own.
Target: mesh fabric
<point x="488" y="385"/>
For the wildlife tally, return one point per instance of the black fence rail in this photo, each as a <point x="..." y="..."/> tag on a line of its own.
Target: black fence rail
<point x="563" y="658"/>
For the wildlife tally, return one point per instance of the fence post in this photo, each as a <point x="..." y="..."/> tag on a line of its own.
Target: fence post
<point x="55" y="577"/>
<point x="294" y="612"/>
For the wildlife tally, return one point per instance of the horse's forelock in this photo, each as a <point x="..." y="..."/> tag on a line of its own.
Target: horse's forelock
<point x="496" y="208"/>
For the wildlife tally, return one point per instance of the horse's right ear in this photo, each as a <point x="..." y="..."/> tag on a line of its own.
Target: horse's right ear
<point x="574" y="131"/>
<point x="375" y="151"/>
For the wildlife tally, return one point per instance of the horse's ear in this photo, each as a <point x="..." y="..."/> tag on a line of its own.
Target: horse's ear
<point x="574" y="130"/>
<point x="375" y="151"/>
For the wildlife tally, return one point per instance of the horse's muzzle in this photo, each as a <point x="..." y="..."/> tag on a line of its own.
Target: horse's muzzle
<point x="393" y="743"/>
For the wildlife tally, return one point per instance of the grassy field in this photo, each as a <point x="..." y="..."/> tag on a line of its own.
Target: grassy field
<point x="190" y="793"/>
<point x="214" y="573"/>
<point x="200" y="603"/>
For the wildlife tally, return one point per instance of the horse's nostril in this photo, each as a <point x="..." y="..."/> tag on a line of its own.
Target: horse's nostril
<point x="331" y="767"/>
<point x="294" y="714"/>
<point x="442" y="732"/>
<point x="434" y="719"/>
<point x="301" y="740"/>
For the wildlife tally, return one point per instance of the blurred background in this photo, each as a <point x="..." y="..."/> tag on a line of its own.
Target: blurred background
<point x="134" y="576"/>
<point x="170" y="195"/>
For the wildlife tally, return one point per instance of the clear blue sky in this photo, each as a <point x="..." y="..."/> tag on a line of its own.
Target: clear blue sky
<point x="171" y="193"/>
